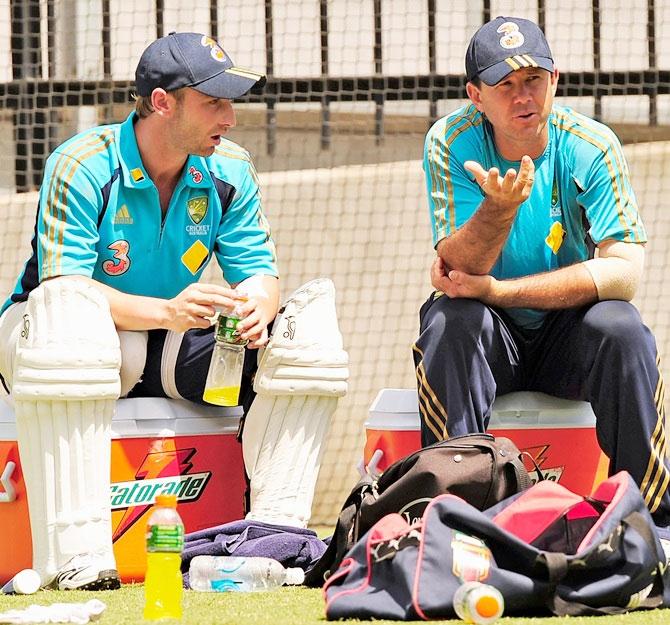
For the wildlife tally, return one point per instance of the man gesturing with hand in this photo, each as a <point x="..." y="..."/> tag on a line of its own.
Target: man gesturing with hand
<point x="540" y="247"/>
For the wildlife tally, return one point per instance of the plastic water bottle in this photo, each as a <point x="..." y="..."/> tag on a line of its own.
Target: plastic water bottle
<point x="478" y="603"/>
<point x="224" y="376"/>
<point x="25" y="582"/>
<point x="165" y="541"/>
<point x="230" y="573"/>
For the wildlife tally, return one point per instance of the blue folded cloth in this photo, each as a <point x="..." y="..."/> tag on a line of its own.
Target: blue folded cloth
<point x="292" y="546"/>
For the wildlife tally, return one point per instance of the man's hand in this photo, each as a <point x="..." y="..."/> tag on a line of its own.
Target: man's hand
<point x="458" y="284"/>
<point x="197" y="304"/>
<point x="260" y="308"/>
<point x="509" y="191"/>
<point x="475" y="246"/>
<point x="254" y="323"/>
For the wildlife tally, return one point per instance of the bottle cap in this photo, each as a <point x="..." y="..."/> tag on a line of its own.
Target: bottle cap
<point x="166" y="501"/>
<point x="25" y="582"/>
<point x="295" y="576"/>
<point x="487" y="605"/>
<point x="478" y="603"/>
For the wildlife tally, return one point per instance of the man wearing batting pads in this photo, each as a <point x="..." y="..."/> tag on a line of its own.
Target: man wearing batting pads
<point x="540" y="248"/>
<point x="129" y="215"/>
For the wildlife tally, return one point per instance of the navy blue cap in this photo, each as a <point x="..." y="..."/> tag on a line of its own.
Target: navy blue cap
<point x="505" y="45"/>
<point x="192" y="60"/>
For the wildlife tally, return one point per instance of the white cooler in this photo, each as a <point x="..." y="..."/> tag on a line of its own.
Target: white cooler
<point x="558" y="433"/>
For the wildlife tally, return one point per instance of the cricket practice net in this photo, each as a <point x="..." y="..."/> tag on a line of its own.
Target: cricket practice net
<point x="337" y="137"/>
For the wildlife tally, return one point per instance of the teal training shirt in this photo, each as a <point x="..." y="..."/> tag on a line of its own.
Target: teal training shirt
<point x="581" y="194"/>
<point x="99" y="216"/>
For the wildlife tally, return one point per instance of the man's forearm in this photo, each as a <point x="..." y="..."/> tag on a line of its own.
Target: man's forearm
<point x="567" y="287"/>
<point x="475" y="247"/>
<point x="134" y="312"/>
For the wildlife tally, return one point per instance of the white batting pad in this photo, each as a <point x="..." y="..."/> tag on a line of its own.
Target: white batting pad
<point x="65" y="385"/>
<point x="302" y="372"/>
<point x="304" y="354"/>
<point x="286" y="469"/>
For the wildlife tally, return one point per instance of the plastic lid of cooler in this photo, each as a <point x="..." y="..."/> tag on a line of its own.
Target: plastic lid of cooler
<point x="394" y="409"/>
<point x="398" y="409"/>
<point x="152" y="416"/>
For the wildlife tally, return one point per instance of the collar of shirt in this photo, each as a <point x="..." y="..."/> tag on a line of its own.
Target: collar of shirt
<point x="195" y="174"/>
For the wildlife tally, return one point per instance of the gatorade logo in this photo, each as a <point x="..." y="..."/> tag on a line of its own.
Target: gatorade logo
<point x="160" y="473"/>
<point x="539" y="455"/>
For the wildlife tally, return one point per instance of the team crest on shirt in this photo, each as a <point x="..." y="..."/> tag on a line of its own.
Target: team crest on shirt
<point x="197" y="209"/>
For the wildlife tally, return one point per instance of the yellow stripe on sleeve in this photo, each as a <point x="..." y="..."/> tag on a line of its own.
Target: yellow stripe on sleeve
<point x="616" y="169"/>
<point x="439" y="169"/>
<point x="55" y="211"/>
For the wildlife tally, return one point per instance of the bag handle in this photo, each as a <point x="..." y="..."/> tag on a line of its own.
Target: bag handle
<point x="513" y="469"/>
<point x="343" y="537"/>
<point x="536" y="469"/>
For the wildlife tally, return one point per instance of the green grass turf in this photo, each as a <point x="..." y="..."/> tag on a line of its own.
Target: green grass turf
<point x="286" y="606"/>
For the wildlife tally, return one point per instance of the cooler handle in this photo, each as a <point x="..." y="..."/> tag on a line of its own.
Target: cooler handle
<point x="5" y="481"/>
<point x="371" y="467"/>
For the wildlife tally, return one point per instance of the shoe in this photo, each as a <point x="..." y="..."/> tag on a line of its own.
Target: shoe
<point x="86" y="572"/>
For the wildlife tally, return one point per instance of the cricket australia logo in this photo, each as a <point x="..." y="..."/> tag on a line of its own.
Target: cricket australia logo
<point x="160" y="473"/>
<point x="197" y="209"/>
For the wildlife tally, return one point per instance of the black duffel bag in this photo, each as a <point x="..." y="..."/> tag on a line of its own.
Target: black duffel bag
<point x="479" y="468"/>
